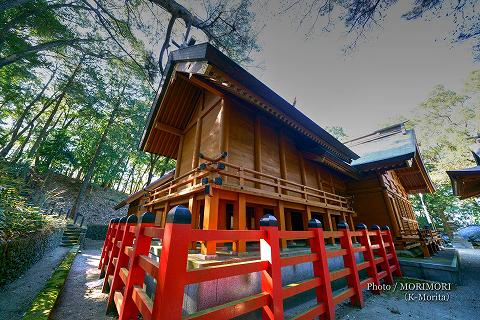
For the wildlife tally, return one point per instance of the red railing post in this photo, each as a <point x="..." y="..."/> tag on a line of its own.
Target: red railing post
<point x="272" y="277"/>
<point x="385" y="264"/>
<point x="107" y="245"/>
<point x="392" y="251"/>
<point x="113" y="253"/>
<point x="369" y="256"/>
<point x="136" y="274"/>
<point x="173" y="265"/>
<point x="320" y="269"/>
<point x="122" y="261"/>
<point x="350" y="262"/>
<point x="109" y="228"/>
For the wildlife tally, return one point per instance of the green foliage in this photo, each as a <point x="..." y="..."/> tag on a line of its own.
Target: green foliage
<point x="45" y="300"/>
<point x="17" y="218"/>
<point x="446" y="124"/>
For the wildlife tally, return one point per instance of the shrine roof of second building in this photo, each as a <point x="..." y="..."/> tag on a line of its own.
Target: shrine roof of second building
<point x="388" y="148"/>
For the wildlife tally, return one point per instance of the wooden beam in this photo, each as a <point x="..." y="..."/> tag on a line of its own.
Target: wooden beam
<point x="168" y="128"/>
<point x="205" y="85"/>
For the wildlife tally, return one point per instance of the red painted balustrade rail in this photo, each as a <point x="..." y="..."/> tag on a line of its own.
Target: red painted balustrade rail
<point x="125" y="262"/>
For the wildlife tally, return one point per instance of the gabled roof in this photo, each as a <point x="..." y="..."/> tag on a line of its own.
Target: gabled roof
<point x="388" y="146"/>
<point x="392" y="148"/>
<point x="257" y="91"/>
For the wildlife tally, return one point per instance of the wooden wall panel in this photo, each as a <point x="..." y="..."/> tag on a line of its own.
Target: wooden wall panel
<point x="187" y="151"/>
<point x="293" y="164"/>
<point x="270" y="151"/>
<point x="241" y="137"/>
<point x="210" y="138"/>
<point x="310" y="169"/>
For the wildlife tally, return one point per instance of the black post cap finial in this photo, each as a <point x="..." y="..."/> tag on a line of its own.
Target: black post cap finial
<point x="132" y="218"/>
<point x="123" y="219"/>
<point x="147" y="217"/>
<point x="268" y="220"/>
<point x="179" y="214"/>
<point x="362" y="226"/>
<point x="342" y="225"/>
<point x="385" y="228"/>
<point x="314" y="223"/>
<point x="375" y="227"/>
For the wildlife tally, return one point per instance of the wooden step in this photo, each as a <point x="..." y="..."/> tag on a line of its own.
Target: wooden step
<point x="124" y="274"/>
<point x="118" y="298"/>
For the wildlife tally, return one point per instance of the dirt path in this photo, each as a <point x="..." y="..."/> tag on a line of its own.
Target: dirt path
<point x="82" y="297"/>
<point x="464" y="302"/>
<point x="16" y="297"/>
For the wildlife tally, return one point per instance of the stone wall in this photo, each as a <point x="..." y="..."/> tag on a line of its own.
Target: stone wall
<point x="16" y="256"/>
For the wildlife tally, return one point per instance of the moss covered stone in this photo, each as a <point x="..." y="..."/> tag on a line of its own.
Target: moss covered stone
<point x="45" y="300"/>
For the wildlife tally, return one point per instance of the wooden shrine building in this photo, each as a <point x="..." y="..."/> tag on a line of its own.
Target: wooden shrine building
<point x="390" y="168"/>
<point x="466" y="182"/>
<point x="243" y="151"/>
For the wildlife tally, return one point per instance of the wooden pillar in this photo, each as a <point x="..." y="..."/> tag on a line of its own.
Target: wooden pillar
<point x="222" y="218"/>
<point x="257" y="149"/>
<point x="225" y="132"/>
<point x="240" y="221"/>
<point x="196" y="145"/>
<point x="258" y="214"/>
<point x="330" y="225"/>
<point x="391" y="215"/>
<point x="193" y="207"/>
<point x="280" y="214"/>
<point x="162" y="217"/>
<point x="283" y="160"/>
<point x="303" y="174"/>
<point x="307" y="216"/>
<point x="179" y="157"/>
<point x="210" y="220"/>
<point x="288" y="220"/>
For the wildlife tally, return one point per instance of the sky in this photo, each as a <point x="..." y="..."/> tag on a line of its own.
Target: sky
<point x="387" y="76"/>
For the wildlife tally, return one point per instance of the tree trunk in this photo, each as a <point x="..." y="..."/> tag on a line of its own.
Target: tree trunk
<point x="18" y="154"/>
<point x="91" y="168"/>
<point x="153" y="161"/>
<point x="15" y="132"/>
<point x="43" y="132"/>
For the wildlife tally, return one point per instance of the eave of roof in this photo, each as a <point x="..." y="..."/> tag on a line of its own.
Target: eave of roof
<point x="206" y="52"/>
<point x="465" y="182"/>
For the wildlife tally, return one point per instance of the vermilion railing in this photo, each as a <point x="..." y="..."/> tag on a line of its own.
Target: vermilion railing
<point x="126" y="262"/>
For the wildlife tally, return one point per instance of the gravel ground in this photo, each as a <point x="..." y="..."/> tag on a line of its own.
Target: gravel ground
<point x="16" y="297"/>
<point x="82" y="297"/>
<point x="464" y="301"/>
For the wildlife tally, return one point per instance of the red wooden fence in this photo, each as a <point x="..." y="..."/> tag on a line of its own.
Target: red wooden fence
<point x="125" y="263"/>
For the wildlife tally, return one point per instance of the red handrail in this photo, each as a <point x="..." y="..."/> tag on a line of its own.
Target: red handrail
<point x="126" y="263"/>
